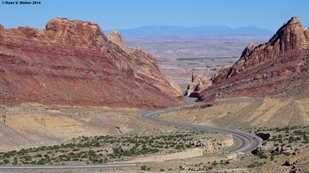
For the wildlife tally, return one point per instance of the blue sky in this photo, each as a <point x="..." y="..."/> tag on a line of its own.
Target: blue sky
<point x="125" y="14"/>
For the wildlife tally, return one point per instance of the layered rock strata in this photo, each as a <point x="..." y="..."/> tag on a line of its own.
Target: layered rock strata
<point x="278" y="67"/>
<point x="198" y="82"/>
<point x="75" y="63"/>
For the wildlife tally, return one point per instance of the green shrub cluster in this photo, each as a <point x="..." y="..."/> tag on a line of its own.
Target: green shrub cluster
<point x="96" y="150"/>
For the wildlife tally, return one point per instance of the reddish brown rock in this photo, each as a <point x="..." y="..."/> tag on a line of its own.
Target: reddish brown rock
<point x="278" y="67"/>
<point x="74" y="63"/>
<point x="1" y="28"/>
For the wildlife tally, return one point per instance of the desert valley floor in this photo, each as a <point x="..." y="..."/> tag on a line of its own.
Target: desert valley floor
<point x="70" y="95"/>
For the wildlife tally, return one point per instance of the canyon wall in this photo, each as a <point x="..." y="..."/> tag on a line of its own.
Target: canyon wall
<point x="278" y="67"/>
<point x="75" y="63"/>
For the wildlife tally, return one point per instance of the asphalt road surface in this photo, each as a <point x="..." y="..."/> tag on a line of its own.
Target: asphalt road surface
<point x="247" y="141"/>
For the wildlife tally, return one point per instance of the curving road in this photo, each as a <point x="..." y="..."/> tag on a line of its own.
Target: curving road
<point x="247" y="142"/>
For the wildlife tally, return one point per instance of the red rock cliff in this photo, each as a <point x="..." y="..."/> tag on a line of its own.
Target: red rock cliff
<point x="74" y="63"/>
<point x="278" y="67"/>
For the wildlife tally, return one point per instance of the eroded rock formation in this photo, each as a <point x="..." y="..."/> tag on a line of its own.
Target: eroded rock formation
<point x="212" y="146"/>
<point x="198" y="83"/>
<point x="278" y="67"/>
<point x="75" y="63"/>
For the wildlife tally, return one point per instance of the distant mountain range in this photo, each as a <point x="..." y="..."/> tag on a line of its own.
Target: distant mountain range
<point x="199" y="30"/>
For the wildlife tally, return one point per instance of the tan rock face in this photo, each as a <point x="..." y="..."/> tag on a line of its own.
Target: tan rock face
<point x="174" y="85"/>
<point x="76" y="33"/>
<point x="198" y="83"/>
<point x="278" y="67"/>
<point x="115" y="37"/>
<point x="74" y="63"/>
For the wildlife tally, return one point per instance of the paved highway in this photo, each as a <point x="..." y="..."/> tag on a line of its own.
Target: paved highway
<point x="247" y="142"/>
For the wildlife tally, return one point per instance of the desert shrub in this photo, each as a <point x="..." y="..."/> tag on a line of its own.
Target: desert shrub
<point x="144" y="168"/>
<point x="262" y="155"/>
<point x="214" y="163"/>
<point x="6" y="161"/>
<point x="287" y="153"/>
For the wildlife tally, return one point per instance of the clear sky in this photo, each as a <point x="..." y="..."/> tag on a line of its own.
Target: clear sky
<point x="125" y="14"/>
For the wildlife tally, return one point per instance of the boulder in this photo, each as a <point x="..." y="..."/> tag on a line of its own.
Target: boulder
<point x="264" y="136"/>
<point x="290" y="161"/>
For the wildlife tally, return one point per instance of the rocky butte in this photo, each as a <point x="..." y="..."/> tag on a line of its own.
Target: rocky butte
<point x="278" y="67"/>
<point x="74" y="63"/>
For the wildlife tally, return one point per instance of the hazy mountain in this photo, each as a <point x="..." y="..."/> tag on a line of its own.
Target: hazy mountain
<point x="200" y="30"/>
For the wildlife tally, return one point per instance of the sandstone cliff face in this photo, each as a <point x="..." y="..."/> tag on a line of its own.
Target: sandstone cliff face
<point x="198" y="83"/>
<point x="74" y="63"/>
<point x="278" y="67"/>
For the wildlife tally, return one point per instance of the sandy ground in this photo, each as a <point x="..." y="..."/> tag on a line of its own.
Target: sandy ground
<point x="31" y="125"/>
<point x="247" y="112"/>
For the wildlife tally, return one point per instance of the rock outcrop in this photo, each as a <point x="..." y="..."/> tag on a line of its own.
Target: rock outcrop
<point x="269" y="148"/>
<point x="75" y="63"/>
<point x="200" y="148"/>
<point x="264" y="136"/>
<point x="278" y="67"/>
<point x="212" y="146"/>
<point x="198" y="83"/>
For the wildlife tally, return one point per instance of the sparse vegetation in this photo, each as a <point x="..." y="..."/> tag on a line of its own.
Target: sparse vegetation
<point x="255" y="164"/>
<point x="145" y="168"/>
<point x="262" y="155"/>
<point x="100" y="149"/>
<point x="286" y="140"/>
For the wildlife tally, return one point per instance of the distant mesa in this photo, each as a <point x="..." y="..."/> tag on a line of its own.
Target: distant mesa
<point x="75" y="63"/>
<point x="163" y="30"/>
<point x="278" y="67"/>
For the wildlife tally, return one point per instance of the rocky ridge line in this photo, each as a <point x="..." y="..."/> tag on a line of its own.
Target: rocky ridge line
<point x="278" y="67"/>
<point x="75" y="63"/>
